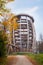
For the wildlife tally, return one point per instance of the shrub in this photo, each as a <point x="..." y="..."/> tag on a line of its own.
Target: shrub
<point x="3" y="42"/>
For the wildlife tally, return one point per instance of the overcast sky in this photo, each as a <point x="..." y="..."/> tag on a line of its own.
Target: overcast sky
<point x="31" y="7"/>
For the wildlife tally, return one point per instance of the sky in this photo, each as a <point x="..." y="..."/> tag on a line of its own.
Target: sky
<point x="30" y="7"/>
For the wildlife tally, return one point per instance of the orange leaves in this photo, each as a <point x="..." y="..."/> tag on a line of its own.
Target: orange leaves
<point x="11" y="17"/>
<point x="11" y="23"/>
<point x="15" y="25"/>
<point x="5" y="23"/>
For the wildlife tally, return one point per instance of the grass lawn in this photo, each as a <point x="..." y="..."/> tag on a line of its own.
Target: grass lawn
<point x="37" y="57"/>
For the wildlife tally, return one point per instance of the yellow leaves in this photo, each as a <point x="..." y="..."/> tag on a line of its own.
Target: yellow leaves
<point x="5" y="23"/>
<point x="15" y="25"/>
<point x="11" y="17"/>
<point x="11" y="23"/>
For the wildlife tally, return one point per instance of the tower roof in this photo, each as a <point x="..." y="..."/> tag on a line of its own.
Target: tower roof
<point x="26" y="16"/>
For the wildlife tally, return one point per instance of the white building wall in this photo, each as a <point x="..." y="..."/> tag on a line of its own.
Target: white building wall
<point x="26" y="31"/>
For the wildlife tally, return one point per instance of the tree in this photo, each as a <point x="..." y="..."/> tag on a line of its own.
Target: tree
<point x="10" y="24"/>
<point x="3" y="5"/>
<point x="3" y="48"/>
<point x="3" y="9"/>
<point x="3" y="42"/>
<point x="41" y="44"/>
<point x="7" y="22"/>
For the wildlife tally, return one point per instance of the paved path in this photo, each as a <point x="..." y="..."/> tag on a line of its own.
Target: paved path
<point x="22" y="60"/>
